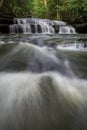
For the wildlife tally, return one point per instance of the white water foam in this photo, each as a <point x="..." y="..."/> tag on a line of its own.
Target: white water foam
<point x="48" y="100"/>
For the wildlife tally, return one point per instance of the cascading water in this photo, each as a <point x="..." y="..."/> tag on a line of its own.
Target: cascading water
<point x="67" y="30"/>
<point x="20" y="25"/>
<point x="44" y="26"/>
<point x="74" y="46"/>
<point x="43" y="80"/>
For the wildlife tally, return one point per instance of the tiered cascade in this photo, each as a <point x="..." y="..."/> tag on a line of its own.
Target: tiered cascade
<point x="44" y="26"/>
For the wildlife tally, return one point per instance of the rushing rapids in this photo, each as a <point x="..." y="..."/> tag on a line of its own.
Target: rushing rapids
<point x="44" y="26"/>
<point x="42" y="101"/>
<point x="43" y="82"/>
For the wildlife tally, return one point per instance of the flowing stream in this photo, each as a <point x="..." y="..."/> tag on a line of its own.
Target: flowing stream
<point x="43" y="80"/>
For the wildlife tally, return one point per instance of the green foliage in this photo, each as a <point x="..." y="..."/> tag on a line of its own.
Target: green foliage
<point x="51" y="9"/>
<point x="38" y="9"/>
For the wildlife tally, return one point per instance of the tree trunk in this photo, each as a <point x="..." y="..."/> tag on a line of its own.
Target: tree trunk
<point x="45" y="3"/>
<point x="1" y="2"/>
<point x="57" y="11"/>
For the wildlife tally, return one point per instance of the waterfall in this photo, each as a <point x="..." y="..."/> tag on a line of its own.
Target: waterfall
<point x="20" y="26"/>
<point x="67" y="30"/>
<point x="36" y="25"/>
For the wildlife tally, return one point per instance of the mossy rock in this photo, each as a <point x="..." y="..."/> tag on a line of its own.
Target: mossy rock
<point x="56" y="27"/>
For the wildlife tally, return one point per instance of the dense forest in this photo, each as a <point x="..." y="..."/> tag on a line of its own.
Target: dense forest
<point x="68" y="10"/>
